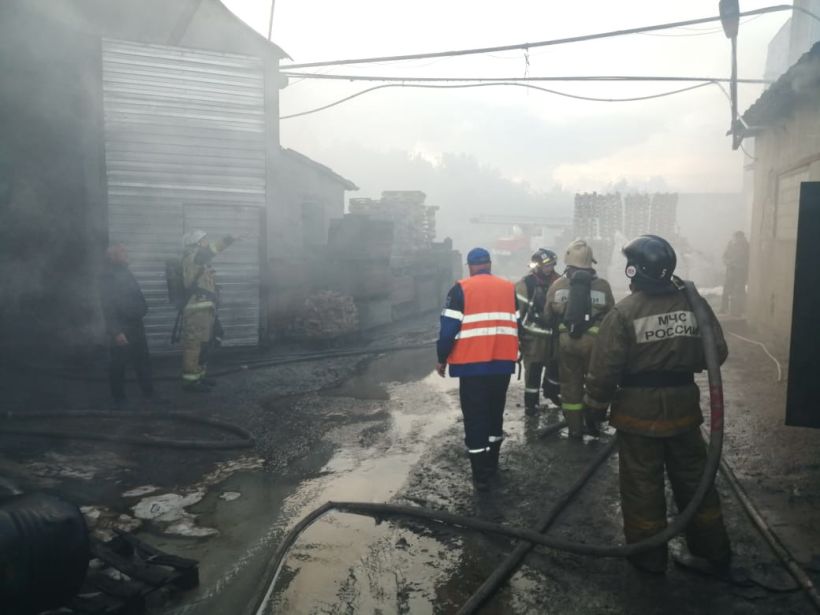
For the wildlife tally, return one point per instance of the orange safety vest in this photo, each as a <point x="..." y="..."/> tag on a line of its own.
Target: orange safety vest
<point x="489" y="328"/>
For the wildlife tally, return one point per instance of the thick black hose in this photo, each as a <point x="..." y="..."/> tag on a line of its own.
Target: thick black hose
<point x="514" y="559"/>
<point x="704" y="317"/>
<point x="551" y="429"/>
<point x="803" y="580"/>
<point x="245" y="439"/>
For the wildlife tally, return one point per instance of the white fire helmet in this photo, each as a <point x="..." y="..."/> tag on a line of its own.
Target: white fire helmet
<point x="193" y="237"/>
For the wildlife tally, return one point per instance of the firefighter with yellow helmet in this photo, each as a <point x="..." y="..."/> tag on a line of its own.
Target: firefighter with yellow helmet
<point x="538" y="350"/>
<point x="578" y="302"/>
<point x="199" y="314"/>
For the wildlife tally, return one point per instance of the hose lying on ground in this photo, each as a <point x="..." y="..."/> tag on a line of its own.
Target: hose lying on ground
<point x="514" y="559"/>
<point x="245" y="439"/>
<point x="771" y="538"/>
<point x="236" y="368"/>
<point x="702" y="315"/>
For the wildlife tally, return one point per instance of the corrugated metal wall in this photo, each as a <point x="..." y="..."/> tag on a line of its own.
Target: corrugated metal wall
<point x="185" y="148"/>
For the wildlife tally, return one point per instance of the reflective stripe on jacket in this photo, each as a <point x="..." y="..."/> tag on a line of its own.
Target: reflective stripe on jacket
<point x="489" y="330"/>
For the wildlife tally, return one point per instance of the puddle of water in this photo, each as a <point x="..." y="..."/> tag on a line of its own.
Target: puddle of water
<point x="345" y="563"/>
<point x="250" y="526"/>
<point x="370" y="381"/>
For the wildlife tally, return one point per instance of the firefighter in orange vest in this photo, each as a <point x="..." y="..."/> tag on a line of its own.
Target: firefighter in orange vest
<point x="479" y="341"/>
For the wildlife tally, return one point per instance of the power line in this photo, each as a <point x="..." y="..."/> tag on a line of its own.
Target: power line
<point x="643" y="78"/>
<point x="559" y="41"/>
<point x="492" y="84"/>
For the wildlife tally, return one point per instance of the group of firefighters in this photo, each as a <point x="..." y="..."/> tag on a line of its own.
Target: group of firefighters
<point x="634" y="359"/>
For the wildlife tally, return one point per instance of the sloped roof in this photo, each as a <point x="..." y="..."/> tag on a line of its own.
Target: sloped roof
<point x="163" y="22"/>
<point x="348" y="185"/>
<point x="798" y="83"/>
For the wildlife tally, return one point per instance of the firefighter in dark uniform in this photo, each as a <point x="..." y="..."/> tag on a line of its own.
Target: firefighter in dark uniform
<point x="537" y="347"/>
<point x="479" y="341"/>
<point x="578" y="302"/>
<point x="647" y="352"/>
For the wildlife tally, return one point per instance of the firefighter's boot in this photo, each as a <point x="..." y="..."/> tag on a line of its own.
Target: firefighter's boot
<point x="531" y="404"/>
<point x="575" y="423"/>
<point x="591" y="424"/>
<point x="479" y="464"/>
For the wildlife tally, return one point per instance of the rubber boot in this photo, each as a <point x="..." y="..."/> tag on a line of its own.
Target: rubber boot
<point x="531" y="404"/>
<point x="591" y="424"/>
<point x="479" y="464"/>
<point x="575" y="423"/>
<point x="492" y="456"/>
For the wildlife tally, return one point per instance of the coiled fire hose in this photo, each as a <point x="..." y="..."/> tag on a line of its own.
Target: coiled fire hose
<point x="703" y="315"/>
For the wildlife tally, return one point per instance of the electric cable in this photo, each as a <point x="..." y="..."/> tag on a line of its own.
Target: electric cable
<point x="766" y="350"/>
<point x="559" y="41"/>
<point x="581" y="78"/>
<point x="494" y="84"/>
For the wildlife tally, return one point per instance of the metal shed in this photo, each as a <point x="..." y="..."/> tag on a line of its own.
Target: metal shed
<point x="185" y="148"/>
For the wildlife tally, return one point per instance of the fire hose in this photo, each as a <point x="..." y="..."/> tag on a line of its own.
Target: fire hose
<point x="265" y="589"/>
<point x="243" y="440"/>
<point x="239" y="367"/>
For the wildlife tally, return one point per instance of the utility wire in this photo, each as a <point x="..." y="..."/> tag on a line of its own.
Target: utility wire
<point x="492" y="84"/>
<point x="559" y="41"/>
<point x="300" y="75"/>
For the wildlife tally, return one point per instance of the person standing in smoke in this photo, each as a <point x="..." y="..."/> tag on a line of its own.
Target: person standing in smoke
<point x="124" y="307"/>
<point x="538" y="349"/>
<point x="648" y="350"/>
<point x="578" y="301"/>
<point x="199" y="314"/>
<point x="479" y="340"/>
<point x="736" y="260"/>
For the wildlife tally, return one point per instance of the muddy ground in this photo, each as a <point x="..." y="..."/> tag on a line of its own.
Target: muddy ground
<point x="386" y="428"/>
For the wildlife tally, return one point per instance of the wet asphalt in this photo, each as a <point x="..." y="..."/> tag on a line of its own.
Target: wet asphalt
<point x="388" y="429"/>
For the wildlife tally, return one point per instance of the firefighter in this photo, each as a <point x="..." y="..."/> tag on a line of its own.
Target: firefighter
<point x="578" y="302"/>
<point x="199" y="315"/>
<point x="736" y="259"/>
<point x="536" y="333"/>
<point x="648" y="350"/>
<point x="479" y="341"/>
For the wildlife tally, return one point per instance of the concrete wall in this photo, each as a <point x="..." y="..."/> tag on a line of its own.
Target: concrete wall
<point x="786" y="152"/>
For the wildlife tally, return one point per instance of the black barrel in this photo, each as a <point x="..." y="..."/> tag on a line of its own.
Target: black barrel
<point x="44" y="552"/>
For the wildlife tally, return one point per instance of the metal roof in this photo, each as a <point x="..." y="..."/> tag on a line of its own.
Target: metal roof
<point x="798" y="83"/>
<point x="348" y="185"/>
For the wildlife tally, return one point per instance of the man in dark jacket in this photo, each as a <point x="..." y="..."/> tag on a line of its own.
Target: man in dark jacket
<point x="649" y="347"/>
<point x="124" y="307"/>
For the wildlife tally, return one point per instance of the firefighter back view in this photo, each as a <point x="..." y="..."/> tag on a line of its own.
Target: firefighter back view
<point x="199" y="314"/>
<point x="537" y="346"/>
<point x="648" y="349"/>
<point x="578" y="302"/>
